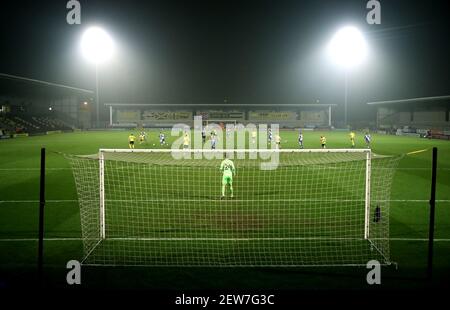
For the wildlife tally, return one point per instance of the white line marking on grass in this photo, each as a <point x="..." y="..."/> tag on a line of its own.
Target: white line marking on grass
<point x="31" y="169"/>
<point x="56" y="168"/>
<point x="408" y="168"/>
<point x="224" y="201"/>
<point x="220" y="239"/>
<point x="418" y="200"/>
<point x="36" y="239"/>
<point x="36" y="201"/>
<point x="419" y="239"/>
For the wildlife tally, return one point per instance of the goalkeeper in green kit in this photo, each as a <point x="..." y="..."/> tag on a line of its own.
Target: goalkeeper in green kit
<point x="228" y="170"/>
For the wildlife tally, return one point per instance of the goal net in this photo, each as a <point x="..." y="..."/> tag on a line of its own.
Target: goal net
<point x="315" y="208"/>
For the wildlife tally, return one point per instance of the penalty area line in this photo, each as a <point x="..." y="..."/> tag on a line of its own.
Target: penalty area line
<point x="32" y="169"/>
<point x="228" y="200"/>
<point x="56" y="169"/>
<point x="223" y="239"/>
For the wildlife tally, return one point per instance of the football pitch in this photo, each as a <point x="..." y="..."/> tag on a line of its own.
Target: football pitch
<point x="19" y="193"/>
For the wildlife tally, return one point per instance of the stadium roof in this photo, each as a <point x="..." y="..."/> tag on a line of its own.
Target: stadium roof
<point x="220" y="105"/>
<point x="411" y="100"/>
<point x="17" y="84"/>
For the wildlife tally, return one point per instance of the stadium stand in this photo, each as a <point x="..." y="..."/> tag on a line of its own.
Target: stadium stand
<point x="420" y="117"/>
<point x="33" y="124"/>
<point x="30" y="106"/>
<point x="11" y="125"/>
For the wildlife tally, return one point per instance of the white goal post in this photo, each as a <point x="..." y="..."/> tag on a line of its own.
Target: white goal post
<point x="319" y="207"/>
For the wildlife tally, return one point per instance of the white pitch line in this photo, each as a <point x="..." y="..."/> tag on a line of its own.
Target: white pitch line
<point x="31" y="169"/>
<point x="233" y="200"/>
<point x="36" y="201"/>
<point x="418" y="200"/>
<point x="56" y="168"/>
<point x="36" y="239"/>
<point x="220" y="239"/>
<point x="421" y="168"/>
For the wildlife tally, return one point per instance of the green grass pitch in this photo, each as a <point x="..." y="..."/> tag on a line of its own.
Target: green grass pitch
<point x="19" y="192"/>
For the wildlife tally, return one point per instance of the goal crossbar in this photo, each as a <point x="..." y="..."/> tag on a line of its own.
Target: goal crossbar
<point x="235" y="150"/>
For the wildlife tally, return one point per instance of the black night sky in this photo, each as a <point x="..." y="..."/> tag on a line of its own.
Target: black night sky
<point x="244" y="51"/>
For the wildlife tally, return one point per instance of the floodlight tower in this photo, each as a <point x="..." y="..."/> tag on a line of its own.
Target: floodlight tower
<point x="97" y="47"/>
<point x="347" y="49"/>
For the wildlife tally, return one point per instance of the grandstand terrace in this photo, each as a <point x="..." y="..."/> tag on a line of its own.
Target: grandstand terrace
<point x="416" y="116"/>
<point x="30" y="106"/>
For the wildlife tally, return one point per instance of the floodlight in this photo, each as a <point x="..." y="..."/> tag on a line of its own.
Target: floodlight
<point x="348" y="48"/>
<point x="96" y="45"/>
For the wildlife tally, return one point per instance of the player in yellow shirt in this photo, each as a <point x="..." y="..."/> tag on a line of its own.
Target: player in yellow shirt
<point x="186" y="140"/>
<point x="131" y="139"/>
<point x="254" y="134"/>
<point x="277" y="141"/>
<point x="352" y="138"/>
<point x="142" y="137"/>
<point x="323" y="142"/>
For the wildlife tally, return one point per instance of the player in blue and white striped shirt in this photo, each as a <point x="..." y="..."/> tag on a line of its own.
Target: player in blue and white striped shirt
<point x="368" y="139"/>
<point x="213" y="142"/>
<point x="300" y="139"/>
<point x="162" y="138"/>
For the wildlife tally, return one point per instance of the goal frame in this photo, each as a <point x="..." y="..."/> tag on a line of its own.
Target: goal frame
<point x="101" y="158"/>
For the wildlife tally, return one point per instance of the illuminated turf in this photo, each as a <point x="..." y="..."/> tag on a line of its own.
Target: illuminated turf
<point x="19" y="193"/>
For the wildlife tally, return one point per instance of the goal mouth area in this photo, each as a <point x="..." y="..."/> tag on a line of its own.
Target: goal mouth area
<point x="317" y="208"/>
